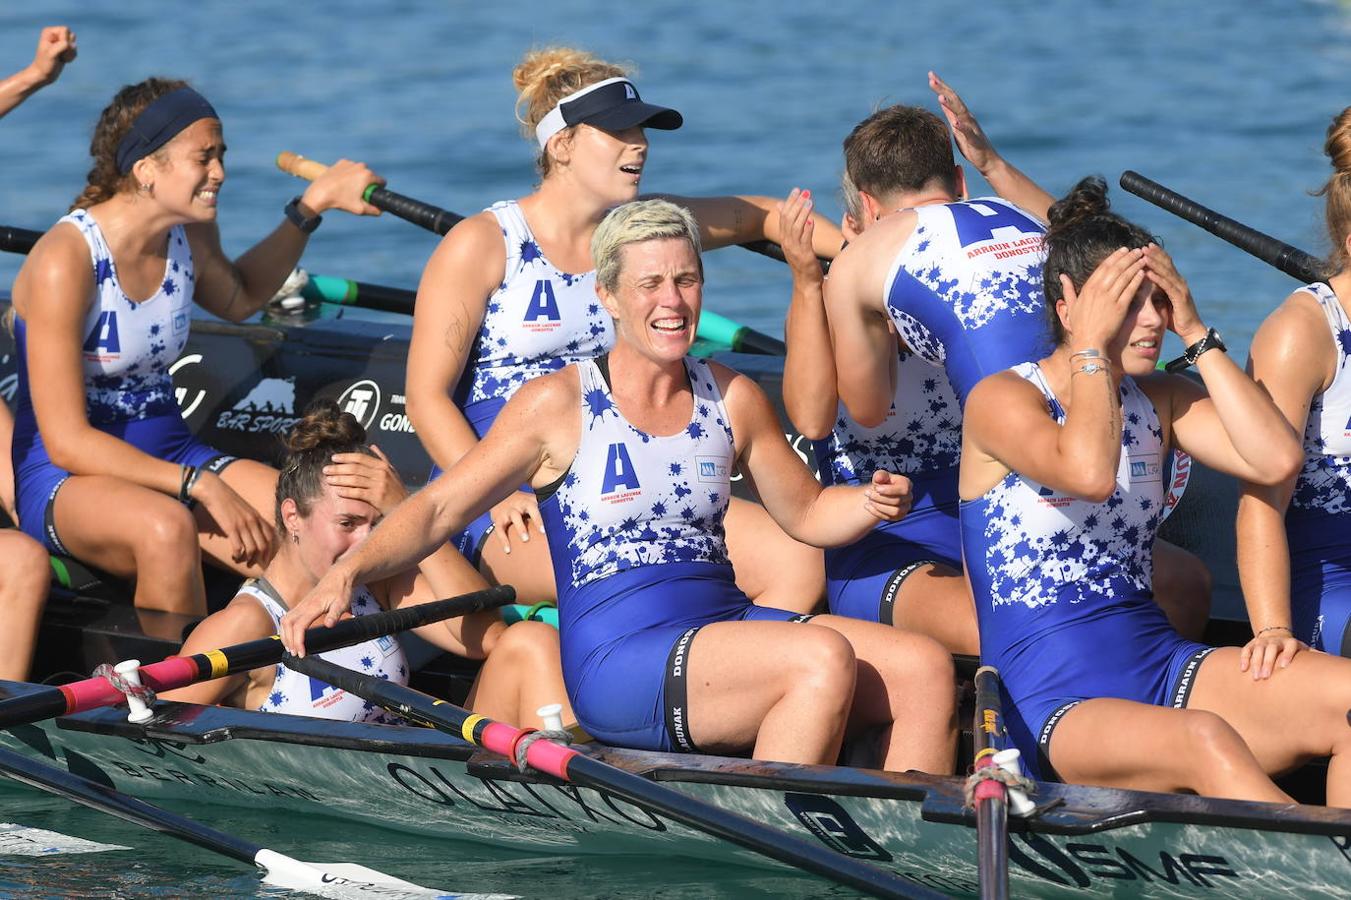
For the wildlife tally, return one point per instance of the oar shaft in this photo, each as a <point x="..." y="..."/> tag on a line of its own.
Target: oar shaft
<point x="569" y="765"/>
<point x="17" y="240"/>
<point x="1288" y="258"/>
<point x="991" y="797"/>
<point x="180" y="671"/>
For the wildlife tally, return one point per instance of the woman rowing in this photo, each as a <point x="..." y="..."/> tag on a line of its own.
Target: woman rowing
<point x="333" y="489"/>
<point x="106" y="469"/>
<point x="1296" y="573"/>
<point x="1061" y="496"/>
<point x="631" y="454"/>
<point x="509" y="295"/>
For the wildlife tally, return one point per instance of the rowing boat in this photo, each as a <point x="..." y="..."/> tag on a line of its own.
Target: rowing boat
<point x="241" y="386"/>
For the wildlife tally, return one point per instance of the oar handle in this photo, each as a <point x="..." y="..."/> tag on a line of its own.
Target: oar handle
<point x="424" y="215"/>
<point x="1289" y="259"/>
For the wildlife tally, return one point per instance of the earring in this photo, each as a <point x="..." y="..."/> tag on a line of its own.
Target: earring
<point x="144" y="188"/>
<point x="295" y="538"/>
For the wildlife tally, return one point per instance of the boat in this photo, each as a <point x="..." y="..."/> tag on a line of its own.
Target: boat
<point x="240" y="386"/>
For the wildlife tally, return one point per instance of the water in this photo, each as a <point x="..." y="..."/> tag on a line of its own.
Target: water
<point x="1226" y="103"/>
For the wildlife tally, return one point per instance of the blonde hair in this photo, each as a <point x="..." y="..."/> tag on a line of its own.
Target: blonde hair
<point x="634" y="223"/>
<point x="1337" y="211"/>
<point x="549" y="74"/>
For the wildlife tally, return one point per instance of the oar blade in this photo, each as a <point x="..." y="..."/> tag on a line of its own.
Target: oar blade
<point x="349" y="880"/>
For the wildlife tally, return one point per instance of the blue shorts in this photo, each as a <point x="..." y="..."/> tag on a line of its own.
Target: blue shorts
<point x="37" y="478"/>
<point x="1129" y="653"/>
<point x="863" y="579"/>
<point x="1320" y="595"/>
<point x="625" y="641"/>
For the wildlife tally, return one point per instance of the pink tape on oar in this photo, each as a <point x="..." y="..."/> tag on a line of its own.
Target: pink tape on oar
<point x="93" y="693"/>
<point x="989" y="788"/>
<point x="546" y="756"/>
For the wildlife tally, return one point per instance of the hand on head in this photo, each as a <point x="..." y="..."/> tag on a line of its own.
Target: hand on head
<point x="889" y="496"/>
<point x="796" y="228"/>
<point x="1096" y="312"/>
<point x="1183" y="319"/>
<point x="358" y="476"/>
<point x="56" y="47"/>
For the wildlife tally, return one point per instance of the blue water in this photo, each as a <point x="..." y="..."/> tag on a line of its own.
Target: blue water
<point x="1226" y="103"/>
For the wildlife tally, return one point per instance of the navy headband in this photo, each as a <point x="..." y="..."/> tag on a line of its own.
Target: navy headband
<point x="159" y="123"/>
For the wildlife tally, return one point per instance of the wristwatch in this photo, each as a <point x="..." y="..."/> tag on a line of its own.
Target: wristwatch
<point x="305" y="223"/>
<point x="1210" y="342"/>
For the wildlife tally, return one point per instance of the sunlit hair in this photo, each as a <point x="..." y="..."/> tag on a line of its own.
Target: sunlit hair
<point x="548" y="75"/>
<point x="1083" y="232"/>
<point x="324" y="431"/>
<point x="104" y="180"/>
<point x="853" y="203"/>
<point x="1337" y="210"/>
<point x="900" y="149"/>
<point x="634" y="223"/>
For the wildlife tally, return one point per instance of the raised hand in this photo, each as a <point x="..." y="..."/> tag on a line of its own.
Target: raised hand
<point x="56" y="47"/>
<point x="796" y="229"/>
<point x="1183" y="319"/>
<point x="967" y="133"/>
<point x="359" y="476"/>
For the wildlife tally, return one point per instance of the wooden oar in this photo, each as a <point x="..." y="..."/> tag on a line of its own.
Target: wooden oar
<point x="567" y="764"/>
<point x="342" y="879"/>
<point x="1288" y="258"/>
<point x="181" y="671"/>
<point x="991" y="797"/>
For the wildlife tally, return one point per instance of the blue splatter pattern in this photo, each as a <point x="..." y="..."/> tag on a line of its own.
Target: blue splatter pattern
<point x="1323" y="487"/>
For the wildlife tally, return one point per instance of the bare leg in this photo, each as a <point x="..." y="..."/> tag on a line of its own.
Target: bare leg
<point x="905" y="684"/>
<point x="134" y="532"/>
<point x="772" y="568"/>
<point x="523" y="673"/>
<point x="527" y="567"/>
<point x="1121" y="743"/>
<point x="24" y="576"/>
<point x="784" y="688"/>
<point x="1297" y="714"/>
<point x="1182" y="589"/>
<point x="6" y="463"/>
<point x="257" y="484"/>
<point x="936" y="600"/>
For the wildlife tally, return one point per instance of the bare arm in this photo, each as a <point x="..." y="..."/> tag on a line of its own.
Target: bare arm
<point x="244" y="619"/>
<point x="734" y="220"/>
<point x="809" y="393"/>
<point x="56" y="47"/>
<point x="237" y="289"/>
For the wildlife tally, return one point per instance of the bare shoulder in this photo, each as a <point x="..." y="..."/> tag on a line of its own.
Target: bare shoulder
<point x="1001" y="388"/>
<point x="869" y="256"/>
<point x="58" y="267"/>
<point x="1295" y="329"/>
<point x="736" y="387"/>
<point x="548" y="395"/>
<point x="242" y="619"/>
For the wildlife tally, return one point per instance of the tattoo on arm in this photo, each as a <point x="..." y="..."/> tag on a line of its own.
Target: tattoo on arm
<point x="458" y="338"/>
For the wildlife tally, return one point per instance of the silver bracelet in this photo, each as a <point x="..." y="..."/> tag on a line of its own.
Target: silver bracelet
<point x="1090" y="353"/>
<point x="1090" y="368"/>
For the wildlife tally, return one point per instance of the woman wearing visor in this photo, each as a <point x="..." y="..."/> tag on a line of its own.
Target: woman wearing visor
<point x="105" y="469"/>
<point x="510" y="295"/>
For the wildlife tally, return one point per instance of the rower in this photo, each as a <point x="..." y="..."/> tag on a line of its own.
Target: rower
<point x="333" y="489"/>
<point x="509" y="296"/>
<point x="960" y="282"/>
<point x="106" y="469"/>
<point x="631" y="455"/>
<point x="24" y="573"/>
<point x="1296" y="573"/>
<point x="1062" y="489"/>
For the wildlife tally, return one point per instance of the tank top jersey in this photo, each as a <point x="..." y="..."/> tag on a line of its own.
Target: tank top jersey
<point x="1323" y="487"/>
<point x="539" y="320"/>
<point x="922" y="434"/>
<point x="126" y="347"/>
<point x="632" y="499"/>
<point x="965" y="290"/>
<point x="302" y="695"/>
<point x="1040" y="560"/>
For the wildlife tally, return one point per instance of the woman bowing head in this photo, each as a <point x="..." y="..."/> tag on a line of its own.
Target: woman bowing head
<point x="105" y="468"/>
<point x="630" y="456"/>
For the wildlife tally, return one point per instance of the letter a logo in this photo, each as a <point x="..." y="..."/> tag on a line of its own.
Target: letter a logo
<point x="977" y="222"/>
<point x="542" y="302"/>
<point x="103" y="337"/>
<point x="618" y="470"/>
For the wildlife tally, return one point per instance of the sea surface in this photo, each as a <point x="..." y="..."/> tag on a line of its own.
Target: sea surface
<point x="1225" y="102"/>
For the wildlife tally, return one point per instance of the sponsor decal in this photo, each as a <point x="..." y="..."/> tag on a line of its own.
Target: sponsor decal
<point x="103" y="344"/>
<point x="1145" y="468"/>
<point x="831" y="825"/>
<point x="187" y="407"/>
<point x="180" y="321"/>
<point x="711" y="469"/>
<point x="542" y="313"/>
<point x="268" y="408"/>
<point x="362" y="400"/>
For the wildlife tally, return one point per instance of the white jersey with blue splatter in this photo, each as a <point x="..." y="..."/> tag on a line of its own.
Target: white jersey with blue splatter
<point x="1324" y="483"/>
<point x="633" y="499"/>
<point x="965" y="290"/>
<point x="1029" y="546"/>
<point x="303" y="695"/>
<point x="128" y="346"/>
<point x="922" y="432"/>
<point x="539" y="320"/>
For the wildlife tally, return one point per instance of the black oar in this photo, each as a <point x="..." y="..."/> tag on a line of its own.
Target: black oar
<point x="1289" y="259"/>
<point x="990" y="795"/>
<point x="17" y="240"/>
<point x="181" y="671"/>
<point x="344" y="879"/>
<point x="567" y="764"/>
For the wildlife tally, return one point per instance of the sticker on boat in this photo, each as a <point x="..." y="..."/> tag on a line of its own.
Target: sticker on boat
<point x="20" y="840"/>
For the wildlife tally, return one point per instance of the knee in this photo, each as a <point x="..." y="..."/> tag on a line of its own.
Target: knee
<point x="166" y="526"/>
<point x="829" y="666"/>
<point x="29" y="569"/>
<point x="1210" y="737"/>
<point x="529" y="645"/>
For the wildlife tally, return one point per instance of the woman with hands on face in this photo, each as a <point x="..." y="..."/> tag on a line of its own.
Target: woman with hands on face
<point x="1294" y="538"/>
<point x="1061" y="496"/>
<point x="333" y="489"/>
<point x="105" y="467"/>
<point x="631" y="456"/>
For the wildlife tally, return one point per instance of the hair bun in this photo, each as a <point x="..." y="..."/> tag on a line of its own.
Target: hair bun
<point x="1085" y="201"/>
<point x="549" y="74"/>
<point x="324" y="425"/>
<point x="1338" y="145"/>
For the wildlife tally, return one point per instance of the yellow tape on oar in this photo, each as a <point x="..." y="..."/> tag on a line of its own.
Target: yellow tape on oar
<point x="467" y="729"/>
<point x="219" y="664"/>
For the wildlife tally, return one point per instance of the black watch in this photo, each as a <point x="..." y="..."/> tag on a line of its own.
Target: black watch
<point x="305" y="223"/>
<point x="1210" y="342"/>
